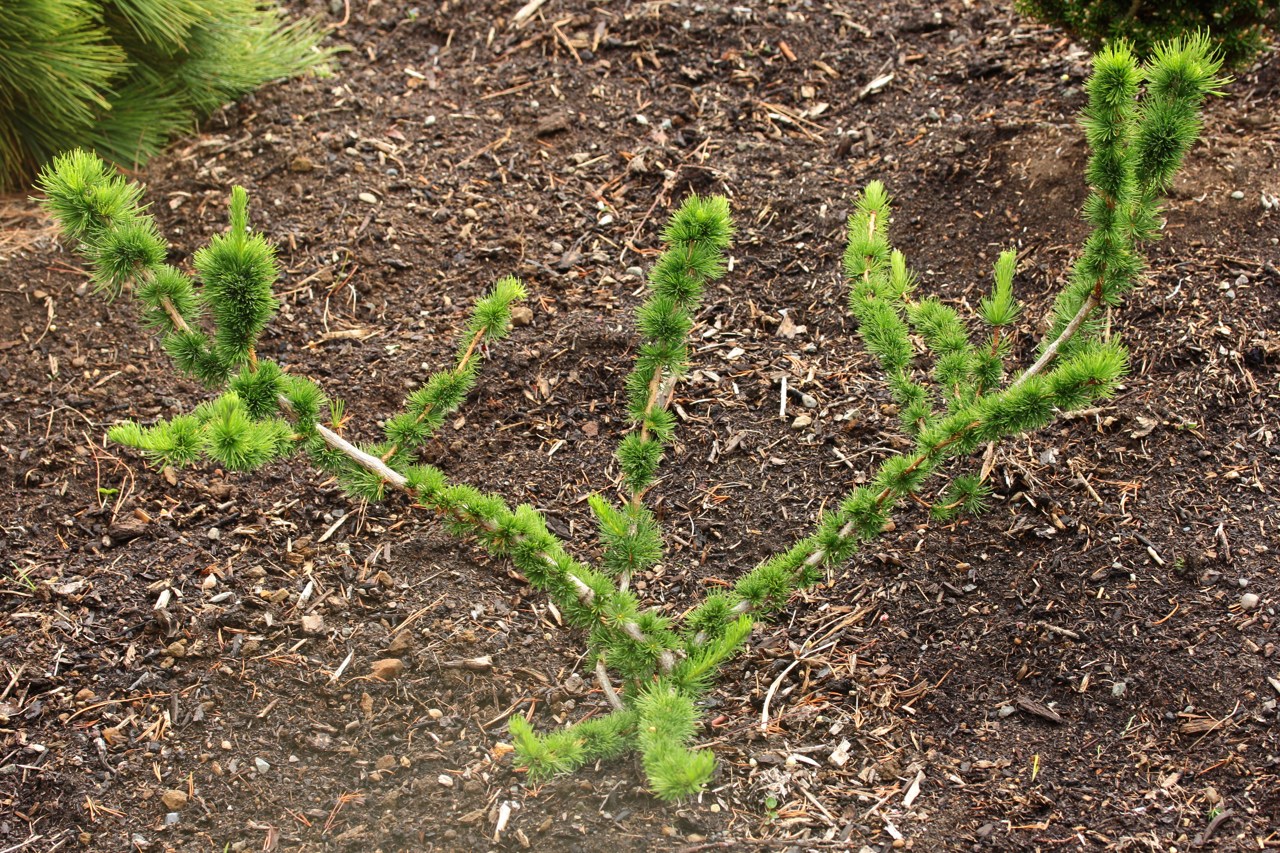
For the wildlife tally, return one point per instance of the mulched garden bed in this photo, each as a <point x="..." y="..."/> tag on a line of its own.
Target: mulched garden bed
<point x="189" y="660"/>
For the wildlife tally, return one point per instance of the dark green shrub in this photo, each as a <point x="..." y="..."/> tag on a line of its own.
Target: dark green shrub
<point x="1235" y="27"/>
<point x="122" y="77"/>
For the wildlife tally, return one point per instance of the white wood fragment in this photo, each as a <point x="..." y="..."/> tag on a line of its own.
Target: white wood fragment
<point x="840" y="755"/>
<point x="913" y="791"/>
<point x="875" y="85"/>
<point x="521" y="17"/>
<point x="504" y="815"/>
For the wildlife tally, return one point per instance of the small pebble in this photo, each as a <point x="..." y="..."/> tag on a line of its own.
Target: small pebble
<point x="261" y="765"/>
<point x="801" y="422"/>
<point x="445" y="780"/>
<point x="1248" y="601"/>
<point x="368" y="198"/>
<point x="400" y="644"/>
<point x="635" y="271"/>
<point x="171" y="818"/>
<point x="1237" y="195"/>
<point x="387" y="669"/>
<point x="174" y="800"/>
<point x="521" y="315"/>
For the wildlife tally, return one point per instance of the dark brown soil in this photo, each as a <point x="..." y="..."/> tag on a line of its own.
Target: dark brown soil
<point x="1081" y="668"/>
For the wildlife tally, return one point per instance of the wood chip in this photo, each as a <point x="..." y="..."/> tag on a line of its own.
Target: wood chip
<point x="522" y="16"/>
<point x="1035" y="709"/>
<point x="913" y="791"/>
<point x="551" y="124"/>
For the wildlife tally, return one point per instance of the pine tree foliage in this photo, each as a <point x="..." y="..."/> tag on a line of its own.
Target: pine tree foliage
<point x="1139" y="122"/>
<point x="1136" y="148"/>
<point x="245" y="427"/>
<point x="667" y="724"/>
<point x="1235" y="28"/>
<point x="104" y="214"/>
<point x="223" y="431"/>
<point x="879" y="283"/>
<point x="238" y="270"/>
<point x="696" y="237"/>
<point x="122" y="77"/>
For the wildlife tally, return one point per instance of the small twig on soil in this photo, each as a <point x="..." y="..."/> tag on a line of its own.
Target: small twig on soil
<point x="32" y="840"/>
<point x="125" y="701"/>
<point x="1217" y="821"/>
<point x="346" y="15"/>
<point x="1217" y="724"/>
<point x="337" y="673"/>
<point x="1061" y="632"/>
<point x="492" y="146"/>
<point x="768" y="696"/>
<point x="12" y="681"/>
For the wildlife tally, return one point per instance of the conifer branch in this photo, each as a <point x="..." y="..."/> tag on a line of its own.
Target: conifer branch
<point x="879" y="281"/>
<point x="368" y="461"/>
<point x="606" y="686"/>
<point x="464" y="364"/>
<point x="92" y="203"/>
<point x="1050" y="352"/>
<point x="696" y="238"/>
<point x="172" y="312"/>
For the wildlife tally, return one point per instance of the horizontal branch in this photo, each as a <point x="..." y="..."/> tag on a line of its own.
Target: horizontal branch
<point x="818" y="554"/>
<point x="400" y="483"/>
